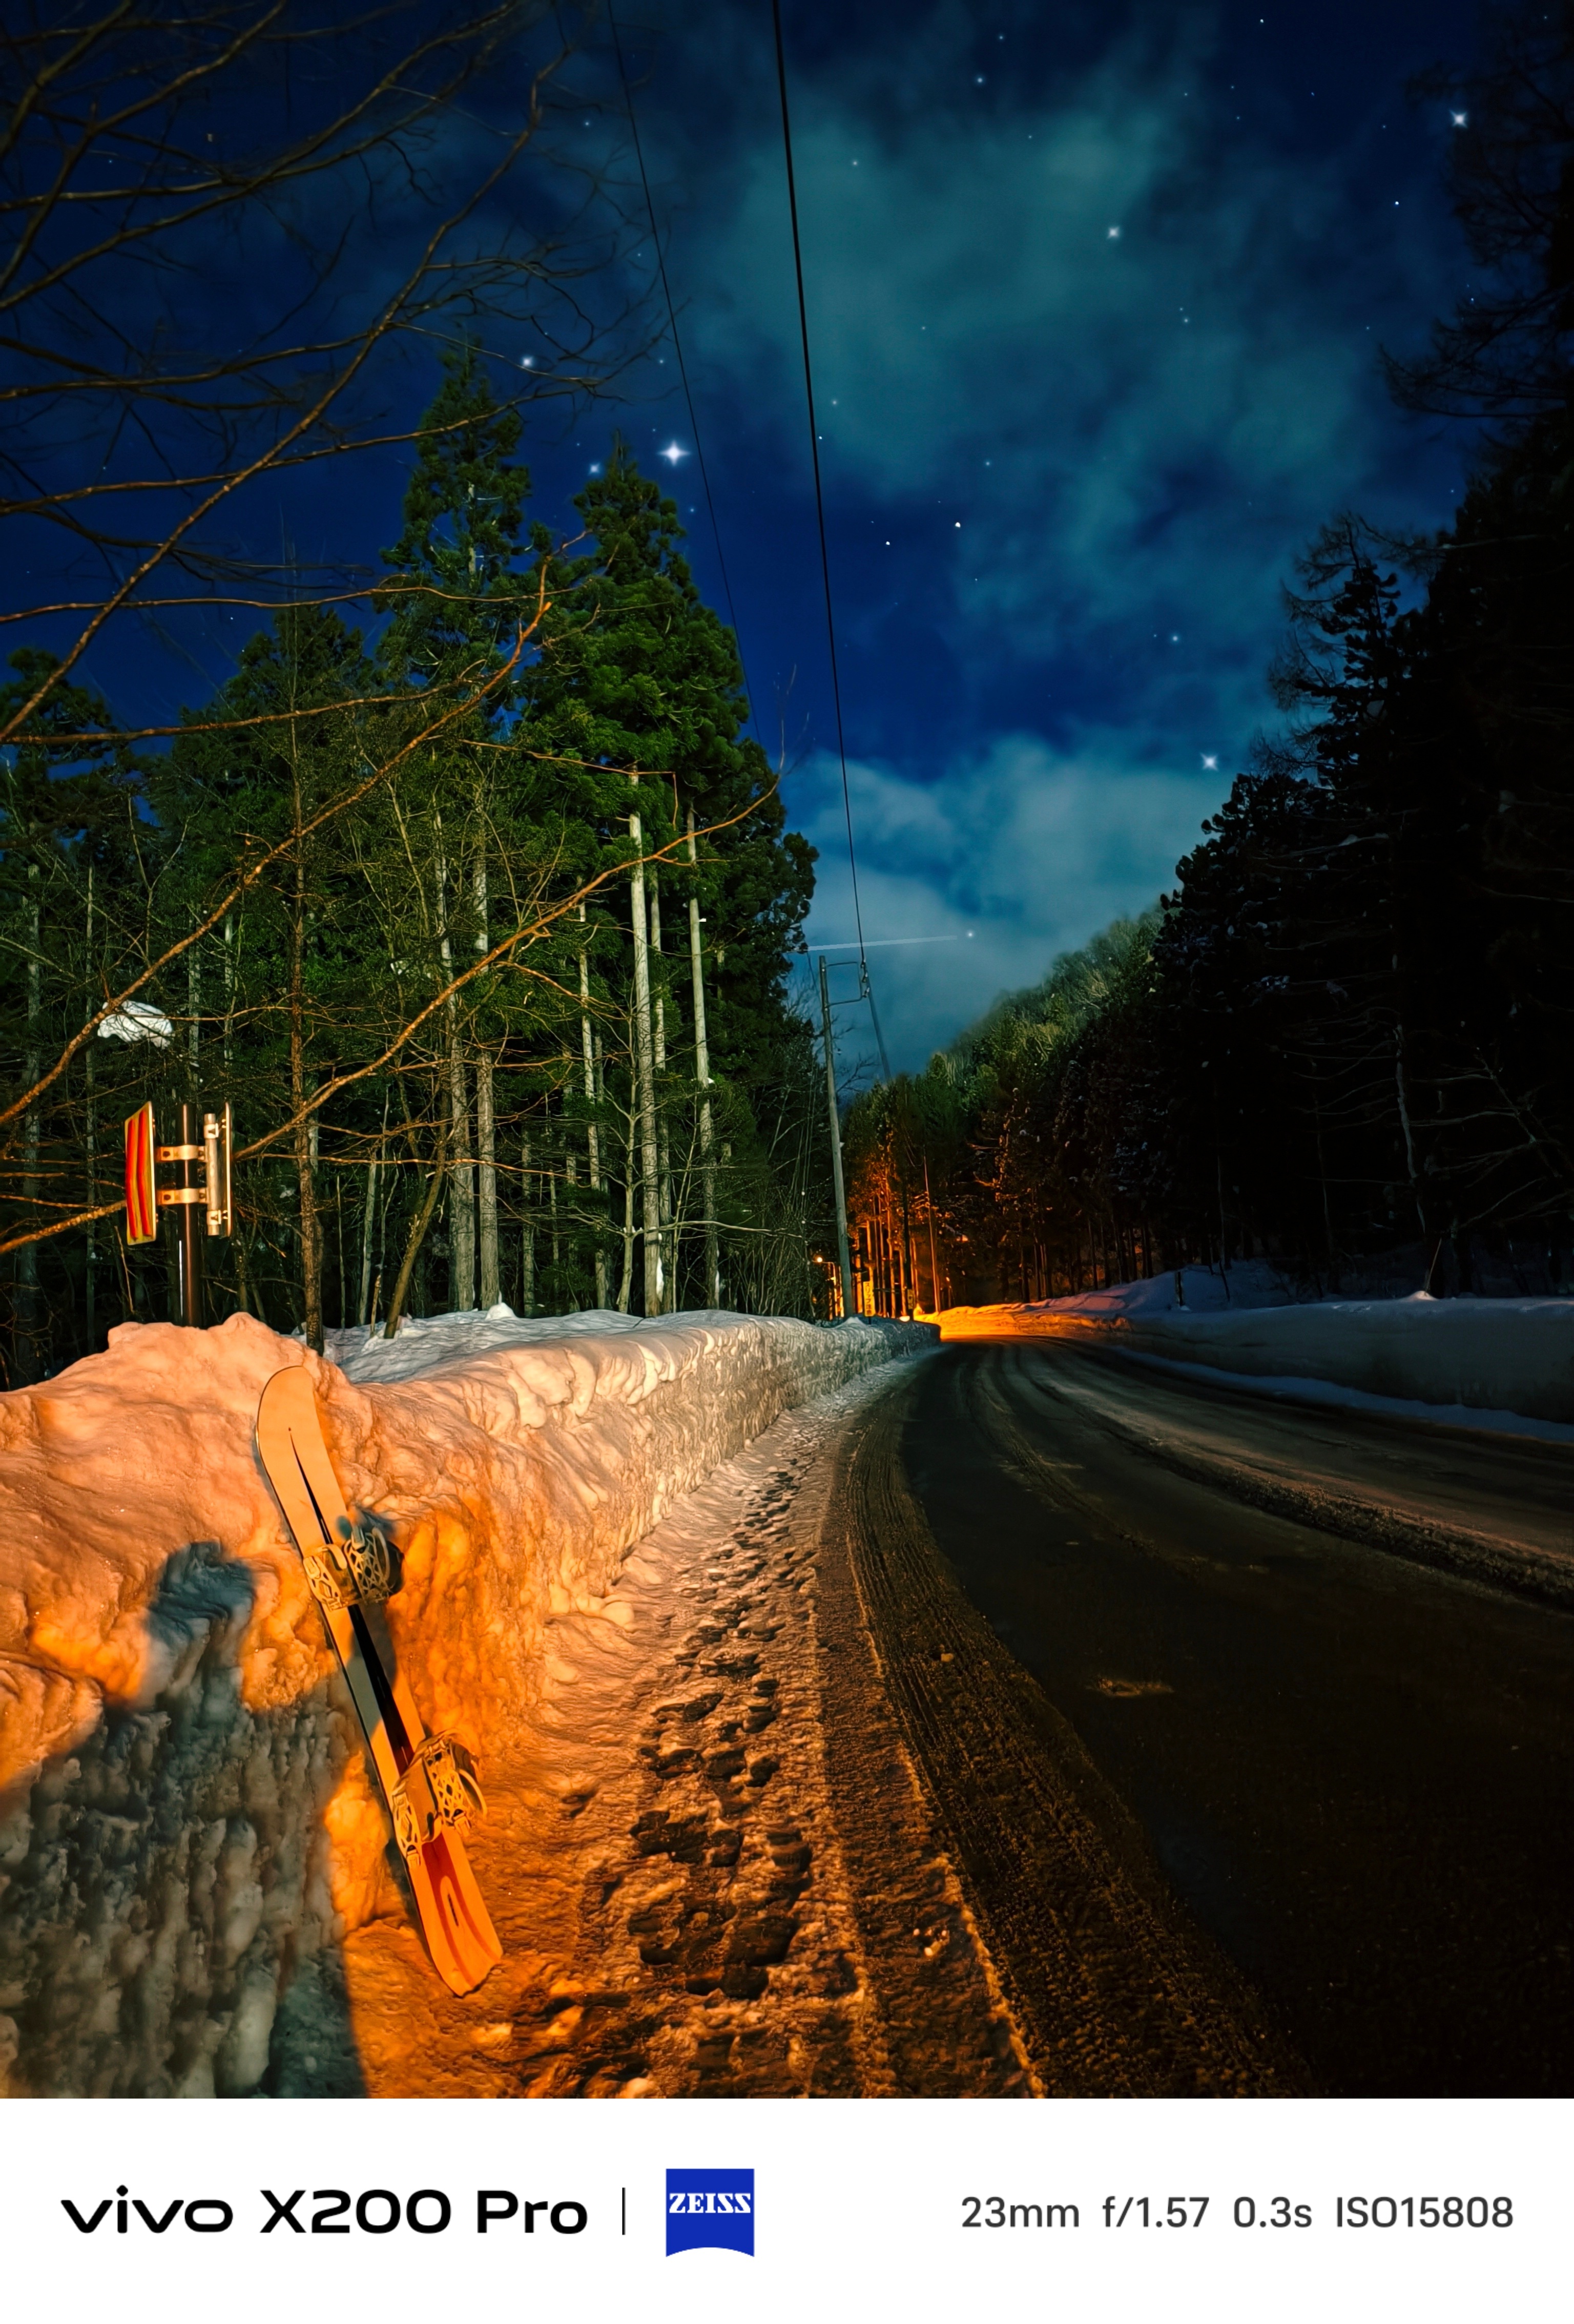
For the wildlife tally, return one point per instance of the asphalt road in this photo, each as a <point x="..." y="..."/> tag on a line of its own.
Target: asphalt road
<point x="1321" y="1792"/>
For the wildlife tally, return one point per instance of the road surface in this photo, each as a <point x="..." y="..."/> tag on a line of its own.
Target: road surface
<point x="1248" y="1725"/>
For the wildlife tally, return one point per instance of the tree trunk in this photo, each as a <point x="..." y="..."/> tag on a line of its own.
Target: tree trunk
<point x="485" y="1147"/>
<point x="600" y="1102"/>
<point x="29" y="1350"/>
<point x="417" y="1235"/>
<point x="90" y="1063"/>
<point x="1330" y="1257"/>
<point x="909" y="1253"/>
<point x="229" y="987"/>
<point x="663" y="1128"/>
<point x="626" y="1287"/>
<point x="527" y="1235"/>
<point x="194" y="1017"/>
<point x="703" y="1075"/>
<point x="1403" y="1101"/>
<point x="368" y="1223"/>
<point x="310" y="1226"/>
<point x="645" y="1056"/>
<point x="461" y="1171"/>
<point x="592" y="1126"/>
<point x="933" y="1262"/>
<point x="305" y="1177"/>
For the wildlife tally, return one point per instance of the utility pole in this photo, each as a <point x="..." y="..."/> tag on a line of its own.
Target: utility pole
<point x="848" y="1307"/>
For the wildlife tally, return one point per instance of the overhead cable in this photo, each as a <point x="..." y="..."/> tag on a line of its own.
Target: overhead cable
<point x="787" y="139"/>
<point x="874" y="1012"/>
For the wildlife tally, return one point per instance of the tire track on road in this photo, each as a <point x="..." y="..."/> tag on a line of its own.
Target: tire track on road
<point x="1473" y="1556"/>
<point x="1115" y="1991"/>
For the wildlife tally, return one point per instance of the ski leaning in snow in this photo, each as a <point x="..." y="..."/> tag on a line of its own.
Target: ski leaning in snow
<point x="427" y="1780"/>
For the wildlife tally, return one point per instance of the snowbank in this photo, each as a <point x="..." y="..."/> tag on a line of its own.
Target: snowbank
<point x="1253" y="1284"/>
<point x="1494" y="1358"/>
<point x="185" y="1826"/>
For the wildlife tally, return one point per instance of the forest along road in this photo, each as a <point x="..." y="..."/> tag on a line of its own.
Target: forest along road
<point x="1247" y="1725"/>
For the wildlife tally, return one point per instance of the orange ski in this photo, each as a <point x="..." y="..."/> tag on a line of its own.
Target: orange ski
<point x="427" y="1780"/>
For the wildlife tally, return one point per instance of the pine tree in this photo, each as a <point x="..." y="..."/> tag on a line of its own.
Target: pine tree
<point x="456" y="613"/>
<point x="637" y="705"/>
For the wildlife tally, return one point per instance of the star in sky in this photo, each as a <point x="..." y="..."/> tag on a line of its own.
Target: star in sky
<point x="1113" y="235"/>
<point x="1210" y="761"/>
<point x="1459" y="120"/>
<point x="673" y="452"/>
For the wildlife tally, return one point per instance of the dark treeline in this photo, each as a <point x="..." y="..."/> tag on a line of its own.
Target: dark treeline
<point x="1346" y="1031"/>
<point x="482" y="924"/>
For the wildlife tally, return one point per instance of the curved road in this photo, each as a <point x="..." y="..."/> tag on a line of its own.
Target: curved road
<point x="1249" y="1724"/>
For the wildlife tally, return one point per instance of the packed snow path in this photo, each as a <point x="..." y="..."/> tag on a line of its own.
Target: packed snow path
<point x="718" y="1875"/>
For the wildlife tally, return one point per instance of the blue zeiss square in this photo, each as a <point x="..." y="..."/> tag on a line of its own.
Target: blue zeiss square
<point x="710" y="2207"/>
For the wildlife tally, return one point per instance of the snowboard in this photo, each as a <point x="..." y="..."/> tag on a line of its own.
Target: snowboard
<point x="427" y="1780"/>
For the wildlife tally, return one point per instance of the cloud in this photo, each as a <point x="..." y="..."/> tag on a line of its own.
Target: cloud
<point x="1019" y="853"/>
<point x="1177" y="394"/>
<point x="1092" y="457"/>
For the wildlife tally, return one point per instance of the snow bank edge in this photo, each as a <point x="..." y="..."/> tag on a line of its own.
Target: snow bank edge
<point x="188" y="1831"/>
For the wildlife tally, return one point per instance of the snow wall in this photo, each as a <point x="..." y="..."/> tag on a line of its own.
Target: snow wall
<point x="186" y="1827"/>
<point x="1487" y="1355"/>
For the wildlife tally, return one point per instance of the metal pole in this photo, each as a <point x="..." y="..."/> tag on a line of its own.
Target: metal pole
<point x="848" y="1307"/>
<point x="188" y="1229"/>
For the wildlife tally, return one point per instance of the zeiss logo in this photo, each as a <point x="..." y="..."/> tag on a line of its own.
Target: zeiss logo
<point x="710" y="2207"/>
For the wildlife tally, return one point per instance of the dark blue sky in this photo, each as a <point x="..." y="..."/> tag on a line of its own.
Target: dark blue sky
<point x="1095" y="296"/>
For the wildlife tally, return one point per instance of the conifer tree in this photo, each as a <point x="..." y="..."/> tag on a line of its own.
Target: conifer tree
<point x="637" y="697"/>
<point x="455" y="614"/>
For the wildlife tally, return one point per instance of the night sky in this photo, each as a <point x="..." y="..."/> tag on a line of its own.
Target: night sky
<point x="1095" y="299"/>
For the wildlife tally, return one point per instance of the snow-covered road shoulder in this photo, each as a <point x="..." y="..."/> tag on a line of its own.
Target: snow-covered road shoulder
<point x="188" y="1831"/>
<point x="1483" y="1363"/>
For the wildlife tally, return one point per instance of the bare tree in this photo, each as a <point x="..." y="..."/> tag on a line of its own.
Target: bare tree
<point x="225" y="229"/>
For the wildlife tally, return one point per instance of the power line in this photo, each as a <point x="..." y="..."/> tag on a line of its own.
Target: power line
<point x="787" y="139"/>
<point x="884" y="944"/>
<point x="874" y="1013"/>
<point x="678" y="349"/>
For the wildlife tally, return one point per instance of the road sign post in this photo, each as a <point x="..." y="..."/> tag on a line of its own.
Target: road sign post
<point x="184" y="1200"/>
<point x="142" y="1201"/>
<point x="207" y="1192"/>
